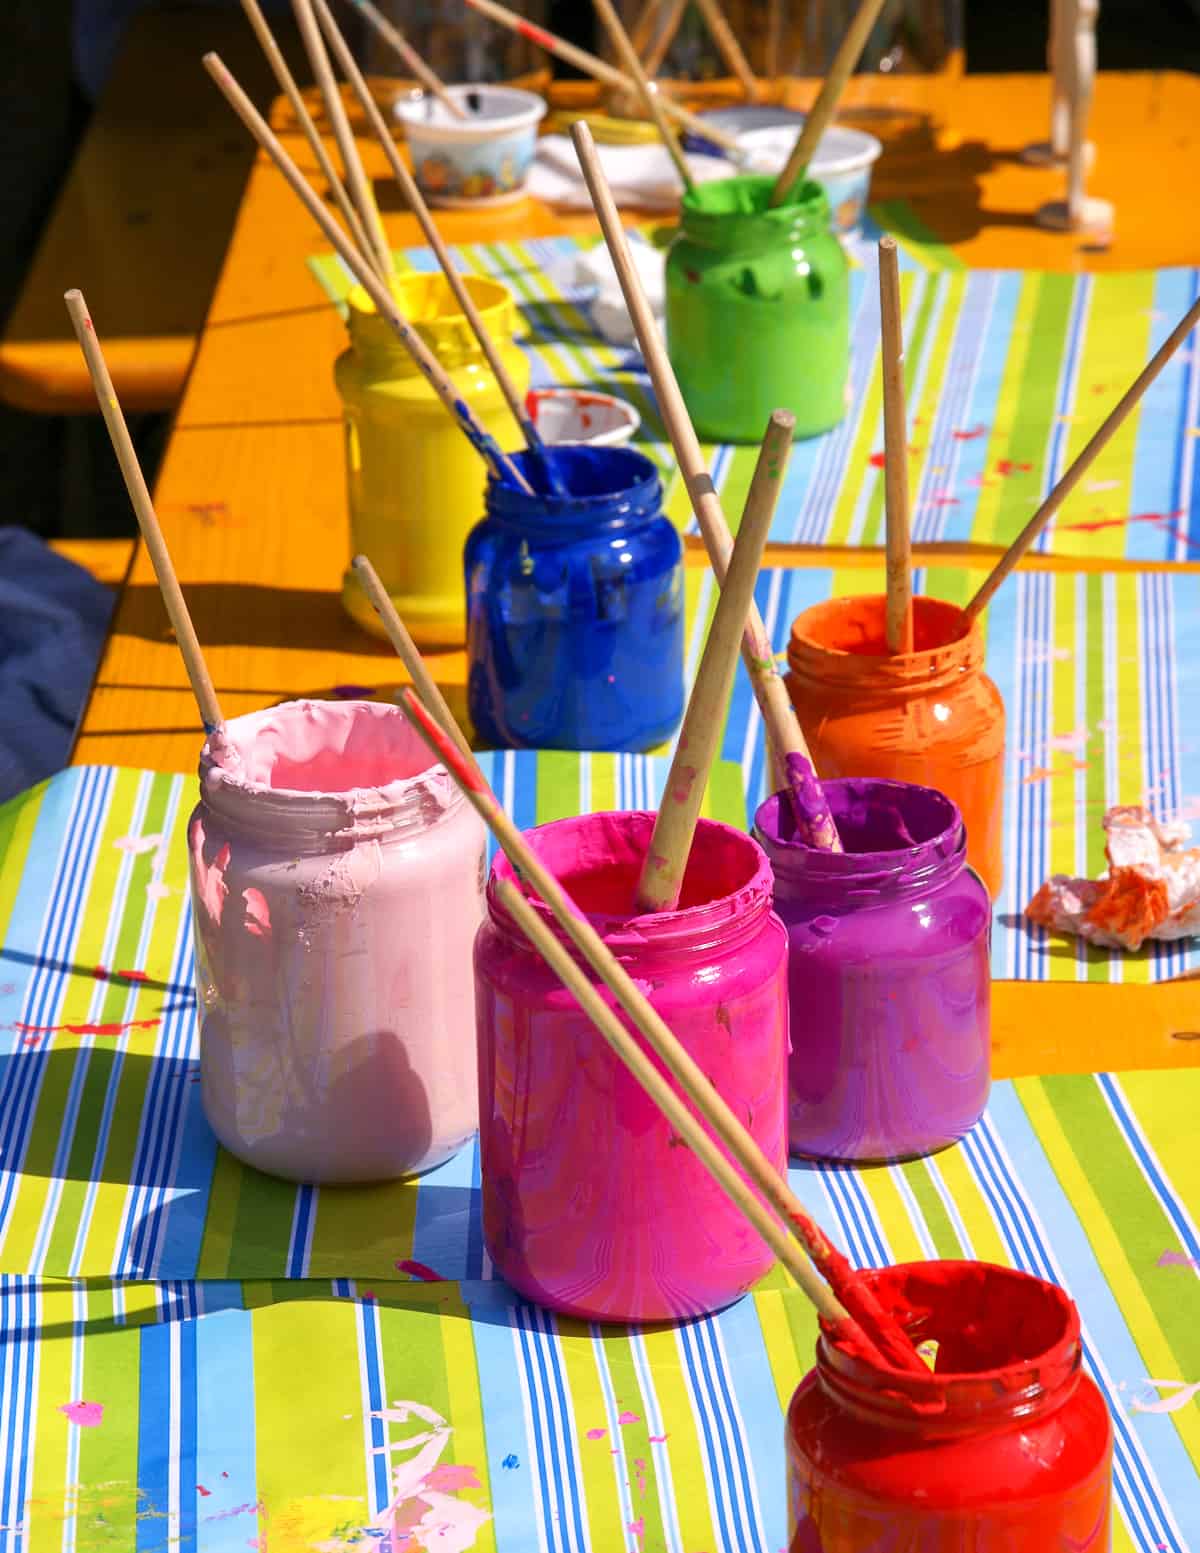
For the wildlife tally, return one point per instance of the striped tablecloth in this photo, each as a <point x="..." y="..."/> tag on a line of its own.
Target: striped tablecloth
<point x="274" y="1415"/>
<point x="1009" y="372"/>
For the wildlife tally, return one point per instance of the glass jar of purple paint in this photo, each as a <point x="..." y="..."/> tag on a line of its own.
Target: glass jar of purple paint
<point x="888" y="975"/>
<point x="591" y="1205"/>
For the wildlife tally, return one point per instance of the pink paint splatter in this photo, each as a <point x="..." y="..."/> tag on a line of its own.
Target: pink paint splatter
<point x="596" y="1434"/>
<point x="960" y="435"/>
<point x="1177" y="1259"/>
<point x="136" y="845"/>
<point x="258" y="913"/>
<point x="630" y="1418"/>
<point x="419" y="1270"/>
<point x="87" y="1415"/>
<point x="447" y="1477"/>
<point x="156" y="890"/>
<point x="1182" y="1394"/>
<point x="638" y="1528"/>
<point x="657" y="1439"/>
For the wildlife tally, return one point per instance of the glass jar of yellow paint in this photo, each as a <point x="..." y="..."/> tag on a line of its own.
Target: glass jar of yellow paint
<point x="414" y="482"/>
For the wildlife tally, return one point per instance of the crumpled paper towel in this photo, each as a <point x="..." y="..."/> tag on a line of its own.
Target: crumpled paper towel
<point x="1151" y="890"/>
<point x="641" y="175"/>
<point x="594" y="268"/>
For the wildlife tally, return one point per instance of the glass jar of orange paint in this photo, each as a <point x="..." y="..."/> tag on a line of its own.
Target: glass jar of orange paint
<point x="931" y="716"/>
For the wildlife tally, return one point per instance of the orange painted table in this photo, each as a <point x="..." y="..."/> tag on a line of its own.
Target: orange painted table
<point x="251" y="492"/>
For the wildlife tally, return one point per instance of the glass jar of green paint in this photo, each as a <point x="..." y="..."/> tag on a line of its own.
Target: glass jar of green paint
<point x="758" y="309"/>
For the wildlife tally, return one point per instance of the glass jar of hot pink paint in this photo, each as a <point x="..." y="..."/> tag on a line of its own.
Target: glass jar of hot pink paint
<point x="1005" y="1447"/>
<point x="888" y="975"/>
<point x="590" y="1203"/>
<point x="337" y="885"/>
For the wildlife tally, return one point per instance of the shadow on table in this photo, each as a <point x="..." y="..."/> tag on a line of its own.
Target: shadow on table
<point x="233" y="614"/>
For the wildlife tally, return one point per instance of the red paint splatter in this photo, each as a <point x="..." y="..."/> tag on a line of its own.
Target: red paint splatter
<point x="101" y="973"/>
<point x="692" y="277"/>
<point x="133" y="975"/>
<point x="367" y="1294"/>
<point x="877" y="460"/>
<point x="200" y="1489"/>
<point x="117" y="1028"/>
<point x="1005" y="466"/>
<point x="419" y="1270"/>
<point x="961" y="435"/>
<point x="942" y="501"/>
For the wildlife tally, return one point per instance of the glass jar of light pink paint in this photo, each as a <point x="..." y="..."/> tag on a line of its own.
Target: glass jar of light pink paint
<point x="336" y="884"/>
<point x="591" y="1205"/>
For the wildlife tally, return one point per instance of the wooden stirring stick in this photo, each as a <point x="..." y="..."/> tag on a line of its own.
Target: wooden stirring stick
<point x="821" y="113"/>
<point x="650" y="99"/>
<point x="360" y="189"/>
<point x="316" y="145"/>
<point x="601" y="70"/>
<point x="408" y="653"/>
<point x="731" y="50"/>
<point x="682" y="1120"/>
<point x="396" y="41"/>
<point x="849" y="1287"/>
<point x="147" y="518"/>
<point x="671" y="844"/>
<point x="1098" y="442"/>
<point x="898" y="620"/>
<point x="813" y="819"/>
<point x="371" y="283"/>
<point x="416" y="203"/>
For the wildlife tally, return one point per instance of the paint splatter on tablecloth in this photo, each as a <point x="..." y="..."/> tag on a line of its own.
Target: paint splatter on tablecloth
<point x="1009" y="372"/>
<point x="156" y="1415"/>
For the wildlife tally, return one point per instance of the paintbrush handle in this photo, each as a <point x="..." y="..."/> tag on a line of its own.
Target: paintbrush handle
<point x="356" y="177"/>
<point x="848" y="1286"/>
<point x="898" y="617"/>
<point x="147" y="518"/>
<point x="416" y="203"/>
<point x="783" y="728"/>
<point x="1096" y="445"/>
<point x="601" y="70"/>
<point x="371" y="283"/>
<point x="287" y="85"/>
<point x="408" y="653"/>
<point x="704" y="720"/>
<point x="681" y="1119"/>
<point x="650" y="99"/>
<point x="400" y="45"/>
<point x="821" y="113"/>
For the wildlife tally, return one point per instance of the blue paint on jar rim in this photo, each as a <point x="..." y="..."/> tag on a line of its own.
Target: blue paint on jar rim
<point x="609" y="488"/>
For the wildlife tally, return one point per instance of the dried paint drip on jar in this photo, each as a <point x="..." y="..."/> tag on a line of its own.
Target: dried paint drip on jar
<point x="931" y="716"/>
<point x="591" y="1204"/>
<point x="1005" y="1447"/>
<point x="575" y="608"/>
<point x="758" y="309"/>
<point x="336" y="888"/>
<point x="414" y="483"/>
<point x="888" y="973"/>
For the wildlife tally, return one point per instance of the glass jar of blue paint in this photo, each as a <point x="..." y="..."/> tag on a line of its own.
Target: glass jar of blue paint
<point x="575" y="607"/>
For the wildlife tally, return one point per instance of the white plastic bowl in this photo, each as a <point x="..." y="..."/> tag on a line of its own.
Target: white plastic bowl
<point x="579" y="415"/>
<point x="480" y="159"/>
<point x="842" y="165"/>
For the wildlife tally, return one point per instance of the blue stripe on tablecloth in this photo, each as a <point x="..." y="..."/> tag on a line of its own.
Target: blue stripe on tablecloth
<point x="226" y="1452"/>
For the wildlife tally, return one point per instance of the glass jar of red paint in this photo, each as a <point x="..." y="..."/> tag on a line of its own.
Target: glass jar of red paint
<point x="930" y="716"/>
<point x="590" y="1203"/>
<point x="1005" y="1447"/>
<point x="888" y="977"/>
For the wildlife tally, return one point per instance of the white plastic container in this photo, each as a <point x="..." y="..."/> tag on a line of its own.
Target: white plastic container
<point x="580" y="415"/>
<point x="479" y="160"/>
<point x="337" y="883"/>
<point x="842" y="166"/>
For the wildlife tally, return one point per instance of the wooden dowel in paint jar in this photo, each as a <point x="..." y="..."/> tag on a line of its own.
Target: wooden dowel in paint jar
<point x="782" y="726"/>
<point x="1095" y="446"/>
<point x="372" y="284"/>
<point x="400" y="45"/>
<point x="147" y="518"/>
<point x="847" y="1285"/>
<point x="898" y="613"/>
<point x="704" y="720"/>
<point x="356" y="177"/>
<point x="650" y="99"/>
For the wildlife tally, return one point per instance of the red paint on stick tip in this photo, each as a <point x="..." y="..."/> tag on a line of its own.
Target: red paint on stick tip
<point x="449" y="753"/>
<point x="419" y="1270"/>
